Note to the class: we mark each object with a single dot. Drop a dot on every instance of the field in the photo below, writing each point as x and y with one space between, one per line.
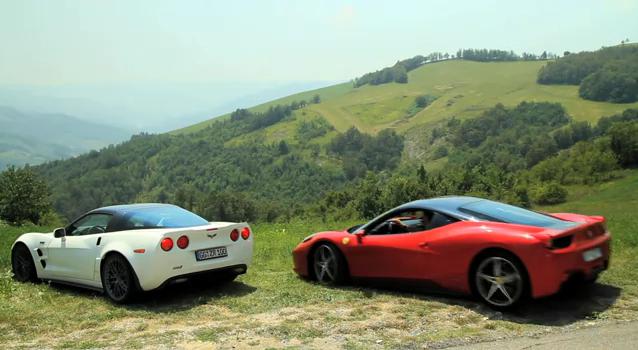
463 89
271 308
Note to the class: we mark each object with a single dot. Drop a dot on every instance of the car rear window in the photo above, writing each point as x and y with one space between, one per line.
494 211
162 217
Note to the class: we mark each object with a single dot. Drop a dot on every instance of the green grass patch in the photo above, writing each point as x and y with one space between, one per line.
271 306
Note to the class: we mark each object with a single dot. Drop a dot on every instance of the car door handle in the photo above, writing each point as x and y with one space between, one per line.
423 244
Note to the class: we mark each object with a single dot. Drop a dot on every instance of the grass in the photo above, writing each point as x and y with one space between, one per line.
463 89
270 307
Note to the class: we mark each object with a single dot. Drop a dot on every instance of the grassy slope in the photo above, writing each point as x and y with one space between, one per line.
464 89
270 307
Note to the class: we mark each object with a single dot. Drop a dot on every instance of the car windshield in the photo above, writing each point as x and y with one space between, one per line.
162 217
494 211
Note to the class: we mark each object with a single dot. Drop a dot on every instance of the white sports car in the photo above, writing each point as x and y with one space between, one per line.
125 249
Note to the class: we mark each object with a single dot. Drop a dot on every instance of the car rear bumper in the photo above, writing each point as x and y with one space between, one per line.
236 269
549 272
156 270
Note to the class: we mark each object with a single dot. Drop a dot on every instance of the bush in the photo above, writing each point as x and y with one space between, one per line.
23 196
624 142
548 193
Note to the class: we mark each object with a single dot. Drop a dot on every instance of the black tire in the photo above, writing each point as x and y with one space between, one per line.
22 264
328 264
118 279
500 280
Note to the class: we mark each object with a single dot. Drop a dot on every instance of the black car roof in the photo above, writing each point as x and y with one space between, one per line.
448 205
125 208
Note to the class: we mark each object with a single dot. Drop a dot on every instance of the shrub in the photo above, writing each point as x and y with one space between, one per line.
548 193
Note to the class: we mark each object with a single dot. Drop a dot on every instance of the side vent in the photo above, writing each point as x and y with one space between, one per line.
39 252
44 264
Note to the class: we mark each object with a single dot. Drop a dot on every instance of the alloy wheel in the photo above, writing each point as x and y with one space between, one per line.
117 279
325 264
499 281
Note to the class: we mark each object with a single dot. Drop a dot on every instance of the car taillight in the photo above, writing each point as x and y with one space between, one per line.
561 242
234 235
182 242
166 244
245 233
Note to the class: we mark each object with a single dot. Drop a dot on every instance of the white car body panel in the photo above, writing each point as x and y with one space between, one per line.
77 259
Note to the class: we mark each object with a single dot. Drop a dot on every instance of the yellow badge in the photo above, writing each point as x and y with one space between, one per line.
345 240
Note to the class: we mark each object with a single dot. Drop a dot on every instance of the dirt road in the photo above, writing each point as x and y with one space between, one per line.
609 336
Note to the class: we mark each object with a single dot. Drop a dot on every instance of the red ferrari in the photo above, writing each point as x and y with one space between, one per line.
498 252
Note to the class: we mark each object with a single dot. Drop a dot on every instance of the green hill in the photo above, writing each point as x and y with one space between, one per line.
456 126
463 89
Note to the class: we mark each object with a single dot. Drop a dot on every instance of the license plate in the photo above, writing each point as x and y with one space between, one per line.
211 253
592 254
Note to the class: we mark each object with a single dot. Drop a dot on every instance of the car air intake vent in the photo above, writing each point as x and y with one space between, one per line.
562 242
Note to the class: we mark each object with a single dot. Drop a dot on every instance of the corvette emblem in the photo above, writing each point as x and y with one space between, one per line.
345 240
211 235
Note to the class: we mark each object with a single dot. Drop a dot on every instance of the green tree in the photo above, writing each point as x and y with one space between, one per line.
23 196
624 142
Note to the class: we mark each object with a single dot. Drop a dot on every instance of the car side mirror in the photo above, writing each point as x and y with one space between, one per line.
359 234
59 232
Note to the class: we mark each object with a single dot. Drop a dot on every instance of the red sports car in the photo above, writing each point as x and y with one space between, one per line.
498 252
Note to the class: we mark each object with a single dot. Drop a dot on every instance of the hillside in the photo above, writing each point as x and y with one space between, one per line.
463 89
30 138
456 127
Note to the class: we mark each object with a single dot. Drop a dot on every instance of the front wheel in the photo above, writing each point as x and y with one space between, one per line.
22 264
118 279
500 281
328 264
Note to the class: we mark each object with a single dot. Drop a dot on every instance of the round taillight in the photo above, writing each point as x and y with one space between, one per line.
245 233
234 235
182 242
166 244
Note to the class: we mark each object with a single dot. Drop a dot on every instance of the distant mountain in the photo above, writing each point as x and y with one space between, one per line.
156 107
34 138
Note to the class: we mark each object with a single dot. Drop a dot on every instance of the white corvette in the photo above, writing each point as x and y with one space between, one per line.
125 249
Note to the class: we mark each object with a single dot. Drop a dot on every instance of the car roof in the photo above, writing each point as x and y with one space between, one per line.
126 208
448 204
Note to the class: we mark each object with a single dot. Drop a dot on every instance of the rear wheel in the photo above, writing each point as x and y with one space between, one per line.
328 264
118 279
500 281
22 264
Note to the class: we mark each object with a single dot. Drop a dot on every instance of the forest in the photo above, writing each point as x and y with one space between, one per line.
609 74
524 155
399 72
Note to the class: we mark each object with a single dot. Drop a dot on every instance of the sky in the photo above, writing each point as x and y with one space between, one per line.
101 45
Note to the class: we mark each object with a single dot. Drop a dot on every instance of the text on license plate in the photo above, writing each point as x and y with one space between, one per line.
211 253
592 254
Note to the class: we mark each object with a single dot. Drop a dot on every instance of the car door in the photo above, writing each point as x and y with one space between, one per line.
73 256
409 255
389 256
385 253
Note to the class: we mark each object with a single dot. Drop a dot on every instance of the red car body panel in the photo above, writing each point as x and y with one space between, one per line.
443 256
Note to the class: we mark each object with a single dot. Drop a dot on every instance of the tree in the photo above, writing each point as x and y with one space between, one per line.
283 148
23 196
624 142
421 101
316 99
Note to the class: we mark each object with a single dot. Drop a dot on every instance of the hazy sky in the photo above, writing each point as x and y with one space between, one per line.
89 42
